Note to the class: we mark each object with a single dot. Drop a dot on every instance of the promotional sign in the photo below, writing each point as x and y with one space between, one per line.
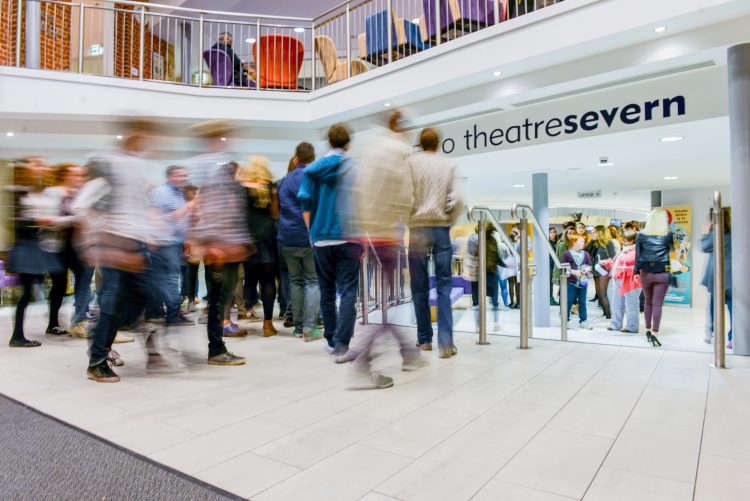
681 257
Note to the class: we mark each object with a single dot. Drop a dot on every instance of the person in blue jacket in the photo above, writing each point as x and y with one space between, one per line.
327 209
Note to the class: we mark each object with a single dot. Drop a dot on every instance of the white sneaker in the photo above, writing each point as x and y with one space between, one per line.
362 380
328 348
586 326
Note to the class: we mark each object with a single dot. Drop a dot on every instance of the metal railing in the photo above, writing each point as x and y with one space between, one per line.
378 290
484 214
525 213
134 40
719 295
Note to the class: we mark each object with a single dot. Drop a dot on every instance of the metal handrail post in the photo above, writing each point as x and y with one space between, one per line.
438 34
348 43
383 296
365 292
565 272
482 279
525 296
81 11
18 33
200 51
256 54
314 61
142 42
719 296
496 15
390 31
397 278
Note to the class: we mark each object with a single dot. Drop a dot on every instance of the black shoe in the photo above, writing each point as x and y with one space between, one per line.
649 336
156 320
180 321
226 359
56 331
23 343
102 373
288 322
655 342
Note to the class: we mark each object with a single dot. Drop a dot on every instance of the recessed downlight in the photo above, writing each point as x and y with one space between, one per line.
299 30
670 178
519 185
671 139
497 73
10 134
387 105
223 139
249 40
660 29
118 137
606 164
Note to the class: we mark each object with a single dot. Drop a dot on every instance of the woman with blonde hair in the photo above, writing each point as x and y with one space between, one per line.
652 248
263 210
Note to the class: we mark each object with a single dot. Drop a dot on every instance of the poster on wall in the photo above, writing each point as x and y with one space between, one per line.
680 259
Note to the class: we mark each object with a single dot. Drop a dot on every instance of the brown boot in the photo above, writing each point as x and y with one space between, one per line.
268 328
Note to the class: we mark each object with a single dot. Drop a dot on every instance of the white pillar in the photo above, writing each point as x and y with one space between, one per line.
540 202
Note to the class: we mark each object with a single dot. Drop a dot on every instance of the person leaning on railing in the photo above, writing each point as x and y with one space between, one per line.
707 246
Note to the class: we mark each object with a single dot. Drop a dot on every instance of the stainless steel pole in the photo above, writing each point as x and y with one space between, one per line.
348 43
389 43
564 303
719 298
383 296
364 303
256 53
525 296
313 69
142 43
399 285
81 18
200 51
19 10
482 278
438 34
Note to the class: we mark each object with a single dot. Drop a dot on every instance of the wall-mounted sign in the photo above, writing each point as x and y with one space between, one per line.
590 194
96 49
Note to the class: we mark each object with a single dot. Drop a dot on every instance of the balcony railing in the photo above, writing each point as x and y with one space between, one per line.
146 41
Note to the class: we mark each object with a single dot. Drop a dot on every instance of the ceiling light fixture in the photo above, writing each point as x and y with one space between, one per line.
387 105
660 29
299 30
606 164
497 73
249 40
519 185
670 178
10 134
223 139
118 137
671 139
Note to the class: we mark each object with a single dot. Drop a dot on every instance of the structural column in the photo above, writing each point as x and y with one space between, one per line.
738 61
540 202
656 199
33 33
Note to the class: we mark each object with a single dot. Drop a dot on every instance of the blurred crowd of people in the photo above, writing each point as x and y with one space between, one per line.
298 241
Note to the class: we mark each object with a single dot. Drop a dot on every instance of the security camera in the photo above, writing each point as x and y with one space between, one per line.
603 160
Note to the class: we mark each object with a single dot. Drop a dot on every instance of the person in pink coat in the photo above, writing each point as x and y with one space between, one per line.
627 286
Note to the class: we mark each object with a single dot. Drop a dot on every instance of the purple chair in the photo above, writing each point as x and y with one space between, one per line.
221 67
459 14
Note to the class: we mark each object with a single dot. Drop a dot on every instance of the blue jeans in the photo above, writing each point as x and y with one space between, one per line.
303 284
625 307
728 301
503 289
422 242
82 293
492 283
337 267
577 294
166 263
119 289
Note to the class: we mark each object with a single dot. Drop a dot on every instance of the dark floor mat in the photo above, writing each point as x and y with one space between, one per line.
42 458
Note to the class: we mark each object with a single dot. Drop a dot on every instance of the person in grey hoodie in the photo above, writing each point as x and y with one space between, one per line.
437 205
707 246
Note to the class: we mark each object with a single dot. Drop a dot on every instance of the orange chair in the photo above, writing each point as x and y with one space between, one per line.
280 61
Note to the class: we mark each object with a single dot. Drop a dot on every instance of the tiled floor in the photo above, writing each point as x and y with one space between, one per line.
559 421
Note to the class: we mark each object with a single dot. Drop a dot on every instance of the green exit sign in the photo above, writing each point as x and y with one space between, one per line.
96 50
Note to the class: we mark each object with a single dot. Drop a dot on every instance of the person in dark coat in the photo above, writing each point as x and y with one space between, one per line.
238 76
